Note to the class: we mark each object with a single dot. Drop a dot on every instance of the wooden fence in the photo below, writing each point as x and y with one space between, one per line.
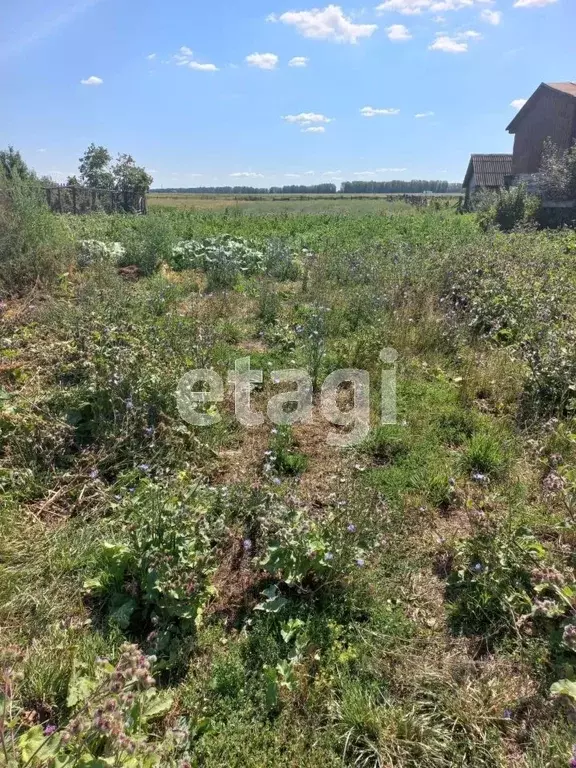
76 200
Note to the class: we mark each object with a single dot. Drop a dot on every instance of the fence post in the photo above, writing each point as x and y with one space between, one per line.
74 211
60 199
49 197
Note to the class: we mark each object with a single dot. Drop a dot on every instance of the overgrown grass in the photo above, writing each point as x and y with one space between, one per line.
404 602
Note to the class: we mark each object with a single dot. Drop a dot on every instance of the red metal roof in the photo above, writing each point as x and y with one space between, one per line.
569 88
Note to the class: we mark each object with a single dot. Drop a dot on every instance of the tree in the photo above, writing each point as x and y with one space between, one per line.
94 170
124 176
13 165
129 177
557 177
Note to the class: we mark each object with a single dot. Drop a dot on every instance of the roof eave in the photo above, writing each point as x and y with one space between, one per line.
469 173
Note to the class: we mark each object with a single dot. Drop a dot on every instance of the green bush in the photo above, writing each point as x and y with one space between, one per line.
35 245
490 586
150 244
507 209
154 582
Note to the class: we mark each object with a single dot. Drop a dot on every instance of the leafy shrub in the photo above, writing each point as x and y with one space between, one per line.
224 258
35 245
490 586
279 261
305 551
155 582
268 303
557 176
508 208
518 292
96 252
150 244
282 455
112 711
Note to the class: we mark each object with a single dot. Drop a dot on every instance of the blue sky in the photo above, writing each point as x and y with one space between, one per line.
275 91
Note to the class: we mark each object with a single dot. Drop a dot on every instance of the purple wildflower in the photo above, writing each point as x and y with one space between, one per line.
247 544
328 556
49 730
351 528
360 562
144 467
94 474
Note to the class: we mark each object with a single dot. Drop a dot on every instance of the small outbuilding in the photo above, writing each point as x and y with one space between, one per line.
487 172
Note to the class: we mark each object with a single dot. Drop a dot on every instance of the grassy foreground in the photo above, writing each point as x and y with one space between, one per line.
224 595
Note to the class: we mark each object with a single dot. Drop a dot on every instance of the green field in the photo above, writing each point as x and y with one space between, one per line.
349 204
405 602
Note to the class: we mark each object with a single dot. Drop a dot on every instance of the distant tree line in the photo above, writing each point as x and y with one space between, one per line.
412 187
348 187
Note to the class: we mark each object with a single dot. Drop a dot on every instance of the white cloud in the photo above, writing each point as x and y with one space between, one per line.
491 17
92 80
420 115
455 44
518 103
306 118
299 61
247 175
292 175
309 173
416 7
328 23
372 112
184 55
41 150
314 129
398 33
151 56
203 67
262 60
533 3
448 45
332 173
185 58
